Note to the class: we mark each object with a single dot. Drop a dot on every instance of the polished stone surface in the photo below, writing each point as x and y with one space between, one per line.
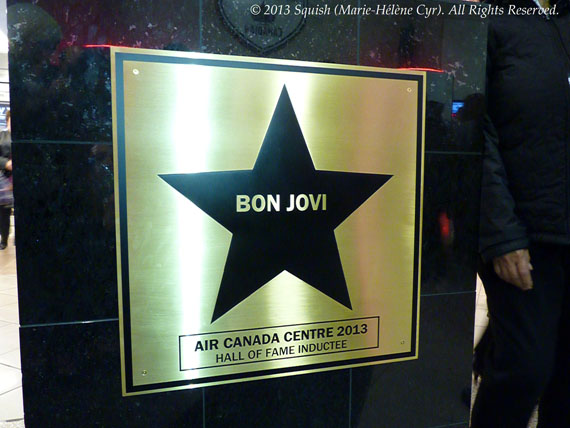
68 101
425 392
452 49
72 378
326 38
454 43
450 222
447 131
60 80
401 41
314 400
136 23
66 244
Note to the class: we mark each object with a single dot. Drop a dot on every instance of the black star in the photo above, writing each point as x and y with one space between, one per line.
267 242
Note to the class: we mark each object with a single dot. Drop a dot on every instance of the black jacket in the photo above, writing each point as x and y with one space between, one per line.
526 166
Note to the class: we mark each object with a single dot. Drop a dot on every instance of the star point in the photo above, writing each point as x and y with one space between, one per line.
282 214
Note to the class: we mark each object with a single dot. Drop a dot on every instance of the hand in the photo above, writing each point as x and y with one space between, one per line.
514 268
8 165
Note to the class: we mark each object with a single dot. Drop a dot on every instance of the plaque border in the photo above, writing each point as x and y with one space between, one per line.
121 55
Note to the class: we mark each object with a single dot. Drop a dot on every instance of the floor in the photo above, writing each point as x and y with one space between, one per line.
11 406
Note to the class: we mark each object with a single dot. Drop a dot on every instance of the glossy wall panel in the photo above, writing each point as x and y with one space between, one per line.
325 38
66 101
426 392
450 221
401 41
456 65
318 400
60 82
72 378
61 108
67 246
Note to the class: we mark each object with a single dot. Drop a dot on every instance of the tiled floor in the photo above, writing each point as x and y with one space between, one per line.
11 407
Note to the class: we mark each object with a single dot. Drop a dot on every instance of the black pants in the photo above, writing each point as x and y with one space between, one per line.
529 357
4 223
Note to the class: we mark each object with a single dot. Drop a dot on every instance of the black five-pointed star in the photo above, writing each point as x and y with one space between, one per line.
267 241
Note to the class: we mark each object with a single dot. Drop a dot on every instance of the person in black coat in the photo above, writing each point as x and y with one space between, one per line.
6 171
525 219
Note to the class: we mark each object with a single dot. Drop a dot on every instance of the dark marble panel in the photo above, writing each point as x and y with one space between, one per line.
401 41
60 84
464 51
453 48
426 392
448 129
324 38
135 23
450 222
71 377
449 40
68 101
65 232
305 401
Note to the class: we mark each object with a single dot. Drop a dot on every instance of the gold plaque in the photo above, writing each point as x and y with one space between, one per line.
268 216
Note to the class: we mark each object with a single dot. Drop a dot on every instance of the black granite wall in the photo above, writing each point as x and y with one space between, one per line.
63 184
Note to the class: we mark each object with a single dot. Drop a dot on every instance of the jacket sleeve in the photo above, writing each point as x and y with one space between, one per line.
500 229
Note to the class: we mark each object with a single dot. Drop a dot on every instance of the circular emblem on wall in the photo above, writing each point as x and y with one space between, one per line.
261 25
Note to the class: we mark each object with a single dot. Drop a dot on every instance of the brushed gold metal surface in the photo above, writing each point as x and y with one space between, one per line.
179 113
